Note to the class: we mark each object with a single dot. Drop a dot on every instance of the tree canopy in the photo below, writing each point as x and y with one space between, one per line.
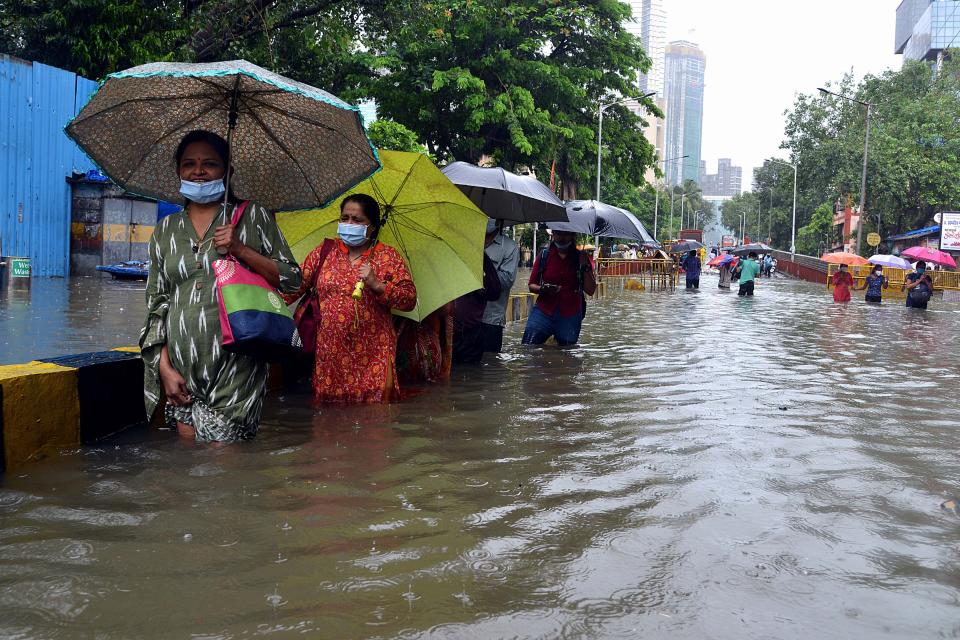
518 81
913 166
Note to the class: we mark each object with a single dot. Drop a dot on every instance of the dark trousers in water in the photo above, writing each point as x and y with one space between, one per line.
468 346
693 283
492 337
540 327
746 289
915 305
876 299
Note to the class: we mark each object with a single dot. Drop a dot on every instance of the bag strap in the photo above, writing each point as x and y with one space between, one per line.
238 212
543 264
324 251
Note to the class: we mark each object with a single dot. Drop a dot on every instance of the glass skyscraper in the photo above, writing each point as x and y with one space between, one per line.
925 28
649 23
684 69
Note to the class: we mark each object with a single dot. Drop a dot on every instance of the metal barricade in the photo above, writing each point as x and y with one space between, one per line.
656 274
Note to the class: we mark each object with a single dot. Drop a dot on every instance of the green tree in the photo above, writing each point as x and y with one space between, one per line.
817 236
516 80
314 41
914 157
89 37
387 134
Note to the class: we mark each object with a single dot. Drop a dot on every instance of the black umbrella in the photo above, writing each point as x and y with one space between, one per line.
600 219
685 245
755 247
506 196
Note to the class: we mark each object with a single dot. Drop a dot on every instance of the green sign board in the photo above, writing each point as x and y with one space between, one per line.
19 267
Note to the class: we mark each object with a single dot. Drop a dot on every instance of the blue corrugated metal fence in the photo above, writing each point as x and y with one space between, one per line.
36 157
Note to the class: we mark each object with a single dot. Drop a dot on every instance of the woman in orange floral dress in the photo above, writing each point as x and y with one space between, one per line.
356 340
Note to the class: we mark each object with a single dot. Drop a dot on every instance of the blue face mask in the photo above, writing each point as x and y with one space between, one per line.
202 192
353 235
920 271
562 246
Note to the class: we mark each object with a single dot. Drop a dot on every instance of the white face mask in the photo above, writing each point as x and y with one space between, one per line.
202 192
353 235
562 246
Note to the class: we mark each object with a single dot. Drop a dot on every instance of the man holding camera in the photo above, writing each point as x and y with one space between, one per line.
562 277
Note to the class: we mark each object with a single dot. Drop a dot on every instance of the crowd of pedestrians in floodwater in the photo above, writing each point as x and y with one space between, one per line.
918 285
362 351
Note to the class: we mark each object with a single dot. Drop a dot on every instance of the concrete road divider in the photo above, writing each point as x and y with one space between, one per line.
67 401
110 390
41 409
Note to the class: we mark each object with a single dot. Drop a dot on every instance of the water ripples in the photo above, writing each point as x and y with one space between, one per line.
702 465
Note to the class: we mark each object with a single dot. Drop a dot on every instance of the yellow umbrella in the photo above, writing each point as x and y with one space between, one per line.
433 225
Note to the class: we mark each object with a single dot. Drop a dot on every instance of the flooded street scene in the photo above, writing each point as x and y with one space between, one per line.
479 319
733 477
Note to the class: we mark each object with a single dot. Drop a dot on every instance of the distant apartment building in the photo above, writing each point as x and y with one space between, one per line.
727 181
684 67
649 24
926 28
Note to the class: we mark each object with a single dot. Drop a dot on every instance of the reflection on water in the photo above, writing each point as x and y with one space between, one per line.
58 317
702 466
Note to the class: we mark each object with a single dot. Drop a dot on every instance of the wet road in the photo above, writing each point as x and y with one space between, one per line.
702 466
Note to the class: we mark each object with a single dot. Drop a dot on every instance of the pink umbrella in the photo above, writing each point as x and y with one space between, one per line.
930 255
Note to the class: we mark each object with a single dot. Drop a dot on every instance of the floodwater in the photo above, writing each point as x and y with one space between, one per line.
58 317
702 466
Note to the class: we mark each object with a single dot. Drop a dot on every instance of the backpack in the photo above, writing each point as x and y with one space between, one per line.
921 293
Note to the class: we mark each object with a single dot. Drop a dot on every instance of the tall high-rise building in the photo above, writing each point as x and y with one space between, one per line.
727 181
649 23
684 68
925 28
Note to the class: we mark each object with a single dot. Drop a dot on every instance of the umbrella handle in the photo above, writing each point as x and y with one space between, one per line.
231 125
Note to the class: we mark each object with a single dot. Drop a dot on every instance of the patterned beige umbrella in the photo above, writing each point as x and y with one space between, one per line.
292 146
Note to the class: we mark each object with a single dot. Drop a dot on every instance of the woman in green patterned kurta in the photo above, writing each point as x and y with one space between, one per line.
212 395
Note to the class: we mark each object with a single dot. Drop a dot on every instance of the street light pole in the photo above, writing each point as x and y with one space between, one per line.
759 232
863 177
656 203
673 193
793 228
863 181
770 218
600 109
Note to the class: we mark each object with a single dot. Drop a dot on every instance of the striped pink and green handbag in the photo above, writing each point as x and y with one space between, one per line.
254 320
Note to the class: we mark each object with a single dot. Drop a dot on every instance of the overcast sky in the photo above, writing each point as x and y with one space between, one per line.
761 53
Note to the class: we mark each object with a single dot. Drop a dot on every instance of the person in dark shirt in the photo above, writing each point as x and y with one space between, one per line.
875 283
562 276
468 316
691 265
919 286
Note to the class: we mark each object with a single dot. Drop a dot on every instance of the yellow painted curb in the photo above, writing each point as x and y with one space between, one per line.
41 408
127 349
